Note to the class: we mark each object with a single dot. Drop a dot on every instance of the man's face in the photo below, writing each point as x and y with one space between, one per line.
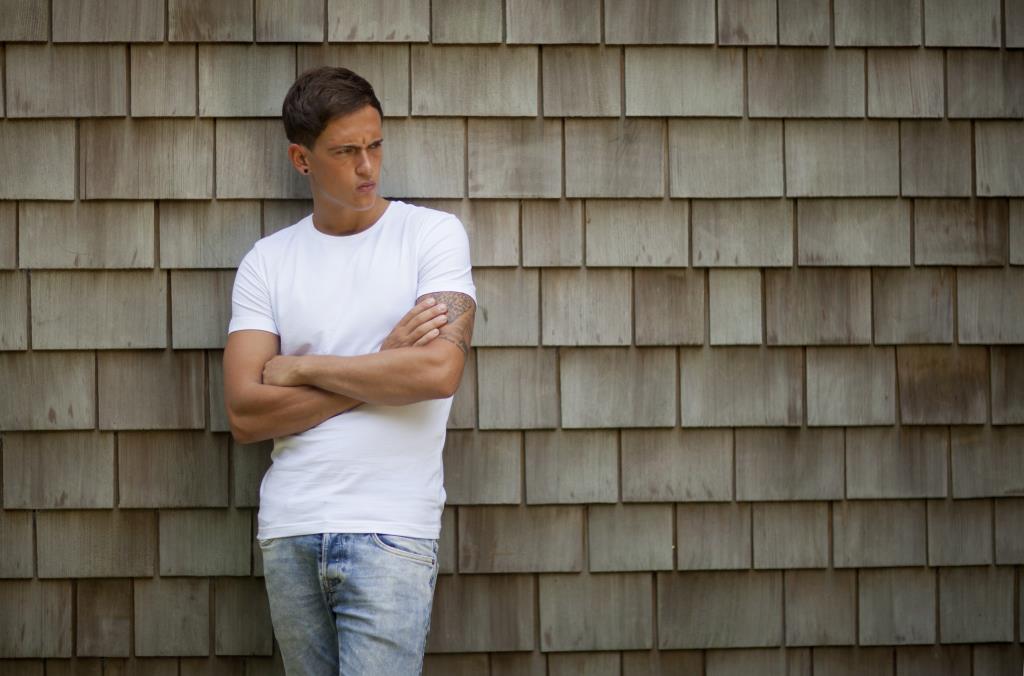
345 160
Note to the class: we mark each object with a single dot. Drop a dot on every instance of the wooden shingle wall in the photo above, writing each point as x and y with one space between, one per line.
747 395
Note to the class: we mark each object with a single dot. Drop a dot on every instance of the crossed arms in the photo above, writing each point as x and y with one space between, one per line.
268 395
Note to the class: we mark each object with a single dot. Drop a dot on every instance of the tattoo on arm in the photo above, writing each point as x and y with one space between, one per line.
460 307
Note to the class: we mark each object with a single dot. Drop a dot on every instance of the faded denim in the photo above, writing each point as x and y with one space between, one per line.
354 604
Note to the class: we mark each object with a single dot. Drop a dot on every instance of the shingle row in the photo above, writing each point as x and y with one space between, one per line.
522 307
877 232
603 158
547 387
744 22
251 80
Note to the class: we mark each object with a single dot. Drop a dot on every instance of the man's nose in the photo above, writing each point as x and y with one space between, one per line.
364 165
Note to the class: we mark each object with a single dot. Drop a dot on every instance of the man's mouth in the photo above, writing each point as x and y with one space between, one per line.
366 187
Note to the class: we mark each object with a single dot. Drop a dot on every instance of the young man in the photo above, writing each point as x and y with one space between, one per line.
350 509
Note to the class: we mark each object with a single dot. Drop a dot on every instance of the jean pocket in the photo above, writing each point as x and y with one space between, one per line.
420 550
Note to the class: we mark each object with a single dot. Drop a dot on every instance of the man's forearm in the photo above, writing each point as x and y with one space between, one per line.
392 378
268 411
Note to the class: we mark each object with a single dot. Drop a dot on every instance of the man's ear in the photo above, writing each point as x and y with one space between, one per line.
298 155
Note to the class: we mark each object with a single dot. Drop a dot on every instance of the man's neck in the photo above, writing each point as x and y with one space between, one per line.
335 220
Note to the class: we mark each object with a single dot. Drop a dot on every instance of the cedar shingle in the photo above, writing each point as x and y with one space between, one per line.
879 533
464 80
905 83
805 22
96 543
17 542
790 534
953 23
378 20
82 80
520 539
107 21
571 466
878 23
678 465
719 609
252 163
743 233
704 81
552 233
483 468
960 532
517 388
203 542
104 618
152 67
172 616
200 308
582 81
58 470
425 159
584 306
1007 385
86 235
515 158
998 168
886 462
596 612
147 159
942 385
173 469
57 391
42 625
629 537
244 80
725 158
746 22
25 20
935 158
14 310
837 158
201 21
734 306
987 461
638 383
713 536
540 22
668 306
483 613
104 310
658 233
295 21
976 604
659 21
242 625
983 294
765 459
863 231
798 82
820 607
896 606
851 386
913 305
985 83
818 306
473 21
53 179
741 386
151 390
214 234
614 158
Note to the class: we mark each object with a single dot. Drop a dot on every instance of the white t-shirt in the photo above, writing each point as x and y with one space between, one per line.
373 468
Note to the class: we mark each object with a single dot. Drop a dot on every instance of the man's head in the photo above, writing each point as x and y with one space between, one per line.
333 119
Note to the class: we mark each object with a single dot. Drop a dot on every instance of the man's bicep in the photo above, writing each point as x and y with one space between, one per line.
245 354
458 330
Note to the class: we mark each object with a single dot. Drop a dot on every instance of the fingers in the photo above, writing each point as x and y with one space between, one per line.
426 327
429 336
428 313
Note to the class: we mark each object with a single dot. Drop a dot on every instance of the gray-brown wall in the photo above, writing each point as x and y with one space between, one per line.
748 387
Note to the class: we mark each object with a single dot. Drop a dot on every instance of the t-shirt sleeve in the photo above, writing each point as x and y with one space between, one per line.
250 297
444 259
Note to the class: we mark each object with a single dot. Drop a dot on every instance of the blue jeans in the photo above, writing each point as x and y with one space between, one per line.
352 604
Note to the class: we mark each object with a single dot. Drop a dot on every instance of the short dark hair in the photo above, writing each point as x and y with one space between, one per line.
318 96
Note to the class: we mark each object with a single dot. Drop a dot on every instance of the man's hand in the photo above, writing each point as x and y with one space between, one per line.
419 326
